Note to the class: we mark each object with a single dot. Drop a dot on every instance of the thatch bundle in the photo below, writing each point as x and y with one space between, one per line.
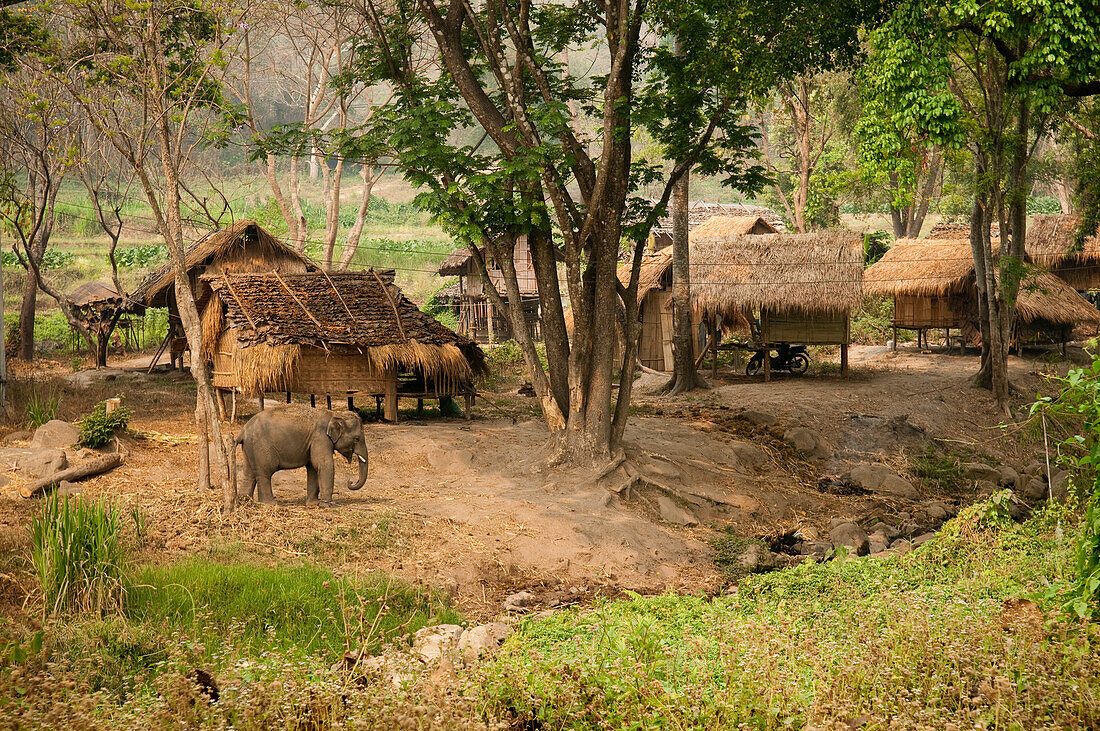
1052 241
274 316
699 212
651 274
924 267
805 273
1045 297
242 246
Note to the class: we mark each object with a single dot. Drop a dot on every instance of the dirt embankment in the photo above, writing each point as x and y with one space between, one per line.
472 507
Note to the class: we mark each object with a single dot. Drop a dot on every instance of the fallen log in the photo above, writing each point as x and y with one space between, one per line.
78 472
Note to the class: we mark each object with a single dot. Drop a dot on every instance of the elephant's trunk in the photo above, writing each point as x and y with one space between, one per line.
360 455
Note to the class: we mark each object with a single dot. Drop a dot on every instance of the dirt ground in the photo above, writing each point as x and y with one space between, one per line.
471 507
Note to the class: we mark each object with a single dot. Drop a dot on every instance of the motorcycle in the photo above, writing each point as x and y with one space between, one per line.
790 358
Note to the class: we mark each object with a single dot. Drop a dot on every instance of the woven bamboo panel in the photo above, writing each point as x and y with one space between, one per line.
817 329
338 373
223 375
918 311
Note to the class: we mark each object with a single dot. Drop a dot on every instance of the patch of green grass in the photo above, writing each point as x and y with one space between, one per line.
944 470
300 609
728 547
905 641
40 408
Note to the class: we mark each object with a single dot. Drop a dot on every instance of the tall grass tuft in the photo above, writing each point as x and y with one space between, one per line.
79 555
40 409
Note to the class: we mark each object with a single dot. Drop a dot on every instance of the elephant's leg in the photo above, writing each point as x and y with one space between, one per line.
322 463
311 485
247 486
263 487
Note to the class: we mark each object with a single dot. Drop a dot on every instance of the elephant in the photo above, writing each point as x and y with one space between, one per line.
289 437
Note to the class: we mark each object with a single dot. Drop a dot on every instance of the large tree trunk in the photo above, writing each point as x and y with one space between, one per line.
332 179
684 376
356 232
26 315
299 235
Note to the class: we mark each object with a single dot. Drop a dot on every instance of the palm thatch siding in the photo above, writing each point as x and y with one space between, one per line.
1052 242
333 334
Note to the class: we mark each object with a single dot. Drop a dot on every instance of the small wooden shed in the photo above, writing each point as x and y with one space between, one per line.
933 285
655 291
242 246
798 288
99 305
336 335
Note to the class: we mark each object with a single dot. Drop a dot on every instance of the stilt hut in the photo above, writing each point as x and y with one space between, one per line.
334 335
655 291
242 246
700 212
1052 242
796 288
933 286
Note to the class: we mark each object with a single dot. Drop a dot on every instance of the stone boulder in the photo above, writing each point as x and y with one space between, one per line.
896 486
807 442
851 536
758 559
521 601
16 436
1008 476
880 479
430 644
55 434
1032 489
922 539
759 418
977 471
749 455
42 462
674 513
483 640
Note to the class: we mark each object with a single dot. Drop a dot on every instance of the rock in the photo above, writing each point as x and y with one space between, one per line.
1032 489
1059 486
672 512
55 434
922 539
67 488
875 545
910 529
897 487
978 471
850 536
1008 476
16 436
807 442
757 559
759 418
901 546
483 640
42 462
986 487
519 602
431 643
936 511
820 549
1035 468
749 455
868 476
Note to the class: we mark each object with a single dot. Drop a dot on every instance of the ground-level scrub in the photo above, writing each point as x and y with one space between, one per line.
918 640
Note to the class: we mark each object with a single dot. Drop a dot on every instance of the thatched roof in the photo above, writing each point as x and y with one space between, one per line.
924 267
274 316
97 293
244 244
733 226
1052 242
786 272
701 211
1044 296
652 273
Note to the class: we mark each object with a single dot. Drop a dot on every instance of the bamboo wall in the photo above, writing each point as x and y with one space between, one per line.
920 311
820 328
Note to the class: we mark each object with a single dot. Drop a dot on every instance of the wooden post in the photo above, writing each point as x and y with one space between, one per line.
767 363
469 404
233 413
895 343
378 406
351 403
261 400
714 348
391 397
288 397
844 360
220 401
328 401
313 401
420 407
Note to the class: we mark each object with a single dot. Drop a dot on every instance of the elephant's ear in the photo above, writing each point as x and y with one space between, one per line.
336 430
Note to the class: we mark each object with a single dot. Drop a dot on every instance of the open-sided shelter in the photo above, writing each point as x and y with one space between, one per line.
800 288
99 305
933 286
344 335
242 246
655 290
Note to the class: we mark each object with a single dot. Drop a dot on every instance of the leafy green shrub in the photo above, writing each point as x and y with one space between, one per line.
872 321
728 547
875 245
98 428
141 256
52 259
78 555
40 409
1079 404
944 470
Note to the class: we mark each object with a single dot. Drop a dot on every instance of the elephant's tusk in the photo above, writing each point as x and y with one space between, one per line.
361 459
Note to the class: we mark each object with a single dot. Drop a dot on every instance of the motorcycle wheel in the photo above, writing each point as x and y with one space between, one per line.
799 364
754 365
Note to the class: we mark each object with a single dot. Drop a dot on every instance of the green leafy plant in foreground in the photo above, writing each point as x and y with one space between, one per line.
79 555
98 428
40 409
1079 401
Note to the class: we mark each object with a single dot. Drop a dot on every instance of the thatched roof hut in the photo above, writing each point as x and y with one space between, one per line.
1052 241
242 246
922 267
1045 297
699 212
733 226
332 334
98 294
802 273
